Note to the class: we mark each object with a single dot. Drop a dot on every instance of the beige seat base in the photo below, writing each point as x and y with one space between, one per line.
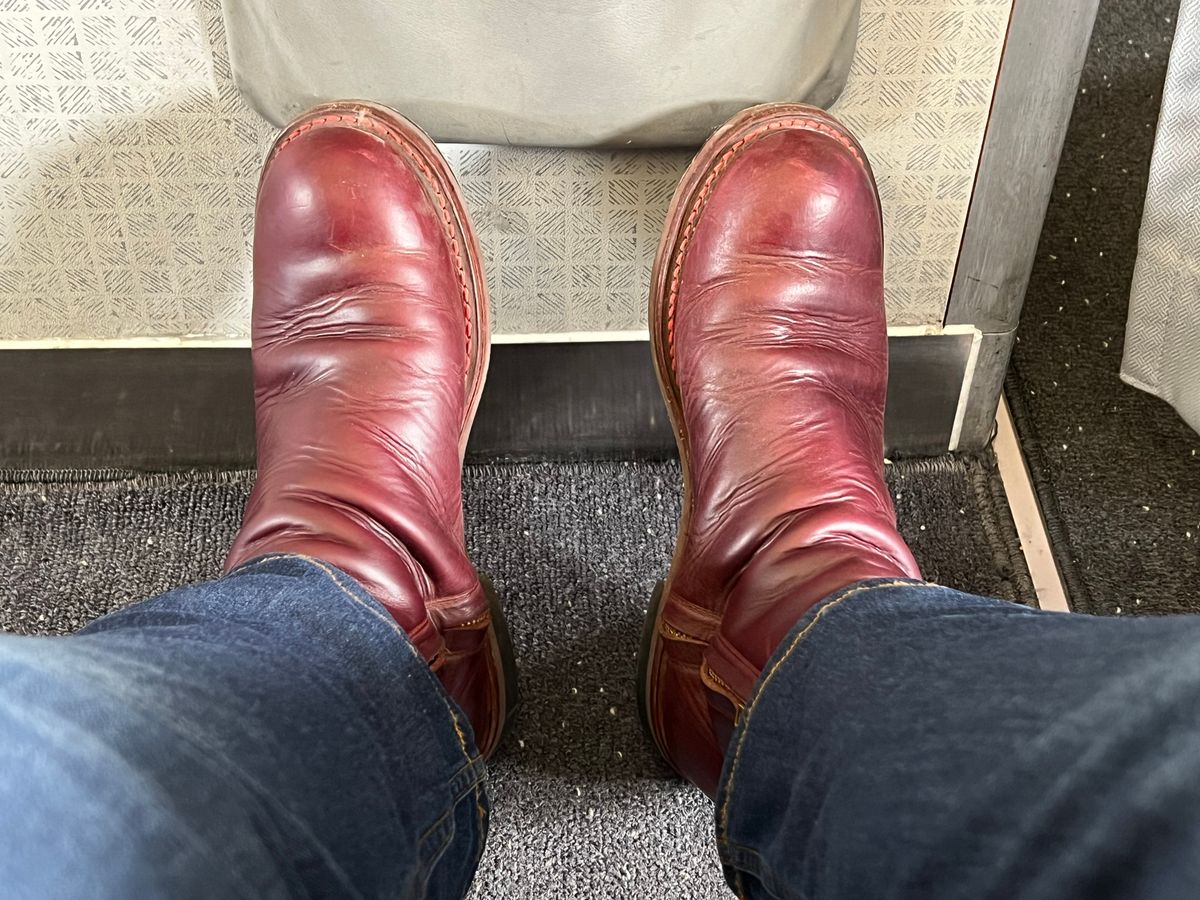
544 72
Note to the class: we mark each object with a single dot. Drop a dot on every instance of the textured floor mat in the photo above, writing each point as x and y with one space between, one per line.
583 807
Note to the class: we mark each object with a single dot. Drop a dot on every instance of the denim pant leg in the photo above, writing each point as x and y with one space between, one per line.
908 740
269 734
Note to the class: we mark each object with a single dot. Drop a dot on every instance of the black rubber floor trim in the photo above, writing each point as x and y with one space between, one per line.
980 473
997 521
1079 597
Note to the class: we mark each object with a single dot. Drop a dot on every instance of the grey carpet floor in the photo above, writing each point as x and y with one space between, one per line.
1116 470
583 807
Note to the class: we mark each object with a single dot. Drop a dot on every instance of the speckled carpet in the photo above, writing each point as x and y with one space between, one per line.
583 807
1116 470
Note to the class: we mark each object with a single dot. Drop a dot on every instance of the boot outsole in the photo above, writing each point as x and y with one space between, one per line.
506 655
649 630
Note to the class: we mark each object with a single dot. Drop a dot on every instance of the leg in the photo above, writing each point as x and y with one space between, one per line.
281 731
370 343
896 740
912 741
273 733
770 343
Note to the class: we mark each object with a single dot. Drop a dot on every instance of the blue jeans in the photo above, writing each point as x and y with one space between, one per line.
273 733
912 741
269 734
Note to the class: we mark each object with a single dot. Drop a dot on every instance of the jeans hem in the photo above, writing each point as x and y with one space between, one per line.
783 654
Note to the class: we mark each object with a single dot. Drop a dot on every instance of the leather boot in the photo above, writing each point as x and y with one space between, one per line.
769 337
370 348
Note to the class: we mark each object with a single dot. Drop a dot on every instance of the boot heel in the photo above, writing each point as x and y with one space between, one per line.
649 632
507 656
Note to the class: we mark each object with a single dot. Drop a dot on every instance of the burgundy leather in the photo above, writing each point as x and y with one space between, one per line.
370 349
769 336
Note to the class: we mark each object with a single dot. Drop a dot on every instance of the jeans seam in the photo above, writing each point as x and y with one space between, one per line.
728 848
466 780
723 816
263 560
433 843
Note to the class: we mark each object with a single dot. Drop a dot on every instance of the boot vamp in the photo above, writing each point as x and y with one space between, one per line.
781 364
360 359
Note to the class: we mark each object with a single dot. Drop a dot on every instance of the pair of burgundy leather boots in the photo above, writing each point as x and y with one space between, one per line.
370 347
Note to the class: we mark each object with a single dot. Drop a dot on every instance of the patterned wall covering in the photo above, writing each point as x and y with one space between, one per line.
128 165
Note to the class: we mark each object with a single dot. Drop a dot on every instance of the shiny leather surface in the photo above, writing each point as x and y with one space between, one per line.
369 349
771 343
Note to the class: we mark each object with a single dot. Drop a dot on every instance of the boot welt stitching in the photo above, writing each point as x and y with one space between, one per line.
715 683
675 634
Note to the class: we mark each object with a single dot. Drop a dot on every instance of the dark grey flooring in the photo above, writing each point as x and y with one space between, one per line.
583 807
1117 471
